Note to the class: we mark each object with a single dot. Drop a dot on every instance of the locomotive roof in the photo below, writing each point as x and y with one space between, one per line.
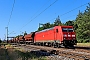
45 30
54 27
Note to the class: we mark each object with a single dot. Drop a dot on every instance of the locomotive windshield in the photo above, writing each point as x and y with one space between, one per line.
67 30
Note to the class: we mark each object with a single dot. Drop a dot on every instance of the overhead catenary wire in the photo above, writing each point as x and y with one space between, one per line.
40 13
72 10
11 32
62 9
11 13
40 8
71 16
73 2
36 12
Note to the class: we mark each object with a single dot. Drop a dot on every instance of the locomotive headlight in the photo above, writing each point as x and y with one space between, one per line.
73 35
64 35
68 35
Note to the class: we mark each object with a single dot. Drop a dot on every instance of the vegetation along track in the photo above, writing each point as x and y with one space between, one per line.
73 54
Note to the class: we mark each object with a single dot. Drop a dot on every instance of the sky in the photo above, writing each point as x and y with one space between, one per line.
27 14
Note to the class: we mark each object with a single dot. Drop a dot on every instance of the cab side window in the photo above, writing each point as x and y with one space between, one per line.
57 30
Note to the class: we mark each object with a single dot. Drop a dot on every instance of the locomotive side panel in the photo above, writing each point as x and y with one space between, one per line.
50 35
44 36
59 33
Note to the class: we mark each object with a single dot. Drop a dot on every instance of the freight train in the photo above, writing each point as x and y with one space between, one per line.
56 36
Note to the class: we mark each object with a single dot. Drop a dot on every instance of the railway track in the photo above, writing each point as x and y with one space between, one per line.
60 53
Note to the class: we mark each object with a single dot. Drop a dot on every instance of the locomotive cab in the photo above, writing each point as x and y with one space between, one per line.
69 36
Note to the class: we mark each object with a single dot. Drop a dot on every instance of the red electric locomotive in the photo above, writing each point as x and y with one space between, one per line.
56 36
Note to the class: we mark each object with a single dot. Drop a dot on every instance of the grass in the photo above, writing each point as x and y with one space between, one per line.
17 54
83 44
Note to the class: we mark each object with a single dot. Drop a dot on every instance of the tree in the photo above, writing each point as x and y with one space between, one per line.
45 26
82 25
69 23
25 33
40 28
57 21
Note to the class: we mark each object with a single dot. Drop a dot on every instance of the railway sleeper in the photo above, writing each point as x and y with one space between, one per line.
78 56
72 57
75 58
88 56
